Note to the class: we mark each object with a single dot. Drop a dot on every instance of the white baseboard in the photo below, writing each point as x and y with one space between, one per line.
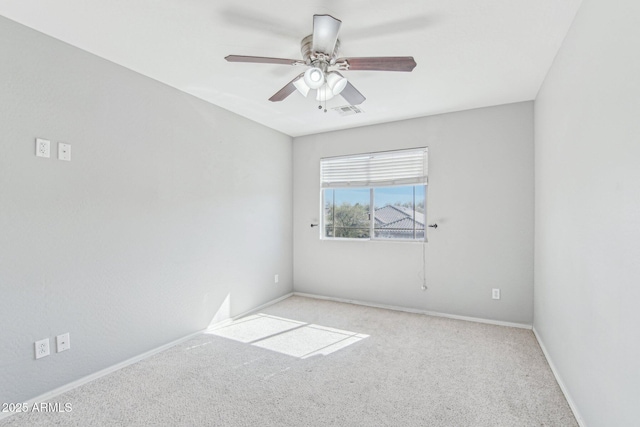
77 383
263 306
84 380
564 389
417 311
225 322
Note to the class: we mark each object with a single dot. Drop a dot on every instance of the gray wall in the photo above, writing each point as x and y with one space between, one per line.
168 206
480 193
587 210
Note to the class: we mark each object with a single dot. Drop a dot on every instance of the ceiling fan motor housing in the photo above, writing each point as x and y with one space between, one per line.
309 56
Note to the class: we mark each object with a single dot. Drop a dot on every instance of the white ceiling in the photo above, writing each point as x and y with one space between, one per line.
470 53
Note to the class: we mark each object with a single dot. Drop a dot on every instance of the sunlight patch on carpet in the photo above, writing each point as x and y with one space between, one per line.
291 337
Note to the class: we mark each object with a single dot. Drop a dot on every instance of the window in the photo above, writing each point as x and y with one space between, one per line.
375 195
347 213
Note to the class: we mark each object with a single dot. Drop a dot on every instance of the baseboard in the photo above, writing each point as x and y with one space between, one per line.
417 311
556 374
84 380
263 306
225 322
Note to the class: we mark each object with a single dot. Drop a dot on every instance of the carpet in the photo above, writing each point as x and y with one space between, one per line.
309 362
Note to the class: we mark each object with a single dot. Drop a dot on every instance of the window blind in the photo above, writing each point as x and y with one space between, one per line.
388 168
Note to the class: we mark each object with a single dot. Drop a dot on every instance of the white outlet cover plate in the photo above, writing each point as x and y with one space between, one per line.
495 293
42 348
64 151
43 147
63 342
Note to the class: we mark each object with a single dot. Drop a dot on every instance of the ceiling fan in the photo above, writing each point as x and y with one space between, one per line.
320 54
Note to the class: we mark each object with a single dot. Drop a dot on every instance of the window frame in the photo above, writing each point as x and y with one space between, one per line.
404 167
371 214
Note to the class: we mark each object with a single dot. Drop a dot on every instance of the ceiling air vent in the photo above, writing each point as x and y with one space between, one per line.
348 110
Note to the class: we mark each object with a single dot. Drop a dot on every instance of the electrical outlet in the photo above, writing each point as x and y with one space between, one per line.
63 342
495 293
276 278
42 348
64 151
43 147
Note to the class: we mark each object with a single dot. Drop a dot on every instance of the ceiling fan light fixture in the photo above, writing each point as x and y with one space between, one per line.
336 82
314 78
324 93
302 87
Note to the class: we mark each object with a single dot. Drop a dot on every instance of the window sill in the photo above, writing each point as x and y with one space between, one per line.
339 239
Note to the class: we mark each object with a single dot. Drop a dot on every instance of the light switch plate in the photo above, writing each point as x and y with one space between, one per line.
64 151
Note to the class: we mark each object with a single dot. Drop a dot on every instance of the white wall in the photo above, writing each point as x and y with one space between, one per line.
480 194
587 210
168 206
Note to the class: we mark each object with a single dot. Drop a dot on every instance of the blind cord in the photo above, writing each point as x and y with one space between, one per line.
424 265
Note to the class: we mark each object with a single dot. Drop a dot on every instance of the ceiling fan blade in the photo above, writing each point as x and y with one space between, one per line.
351 94
325 33
263 60
287 90
382 63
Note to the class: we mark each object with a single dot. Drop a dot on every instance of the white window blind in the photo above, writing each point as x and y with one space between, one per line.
387 168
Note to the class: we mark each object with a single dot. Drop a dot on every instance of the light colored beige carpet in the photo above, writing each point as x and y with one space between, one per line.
307 362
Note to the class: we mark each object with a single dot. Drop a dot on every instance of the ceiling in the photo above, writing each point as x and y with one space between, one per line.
470 53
